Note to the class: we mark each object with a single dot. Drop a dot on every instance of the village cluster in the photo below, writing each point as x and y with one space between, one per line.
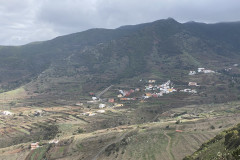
158 90
151 90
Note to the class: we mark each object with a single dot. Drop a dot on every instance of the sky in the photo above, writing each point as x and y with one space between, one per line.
25 21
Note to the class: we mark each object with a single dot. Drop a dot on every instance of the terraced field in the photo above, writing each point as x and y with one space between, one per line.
119 133
148 141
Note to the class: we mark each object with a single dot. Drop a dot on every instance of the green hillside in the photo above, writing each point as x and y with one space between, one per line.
107 56
225 145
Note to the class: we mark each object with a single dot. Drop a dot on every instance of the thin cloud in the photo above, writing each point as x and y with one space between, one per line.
32 20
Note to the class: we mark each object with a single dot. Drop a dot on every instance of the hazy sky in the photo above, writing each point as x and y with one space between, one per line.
24 21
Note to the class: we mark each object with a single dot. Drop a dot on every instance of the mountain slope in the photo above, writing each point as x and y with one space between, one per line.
96 58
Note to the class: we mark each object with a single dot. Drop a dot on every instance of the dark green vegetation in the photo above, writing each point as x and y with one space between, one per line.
225 145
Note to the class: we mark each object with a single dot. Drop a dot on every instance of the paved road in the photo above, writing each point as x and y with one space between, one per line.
105 90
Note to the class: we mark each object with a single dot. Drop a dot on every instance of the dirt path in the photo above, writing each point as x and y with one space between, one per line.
103 149
168 146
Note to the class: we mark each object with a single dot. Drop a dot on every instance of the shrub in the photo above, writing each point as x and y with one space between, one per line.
80 130
212 127
178 122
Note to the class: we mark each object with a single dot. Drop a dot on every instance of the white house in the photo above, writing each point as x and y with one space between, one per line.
208 71
146 97
160 94
201 69
205 70
54 141
192 84
94 98
79 104
91 114
120 96
192 73
151 81
34 145
101 111
189 91
7 113
102 105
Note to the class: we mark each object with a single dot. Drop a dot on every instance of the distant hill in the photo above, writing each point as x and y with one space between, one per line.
225 145
91 60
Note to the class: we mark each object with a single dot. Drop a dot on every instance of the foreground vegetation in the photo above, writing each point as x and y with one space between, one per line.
225 145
